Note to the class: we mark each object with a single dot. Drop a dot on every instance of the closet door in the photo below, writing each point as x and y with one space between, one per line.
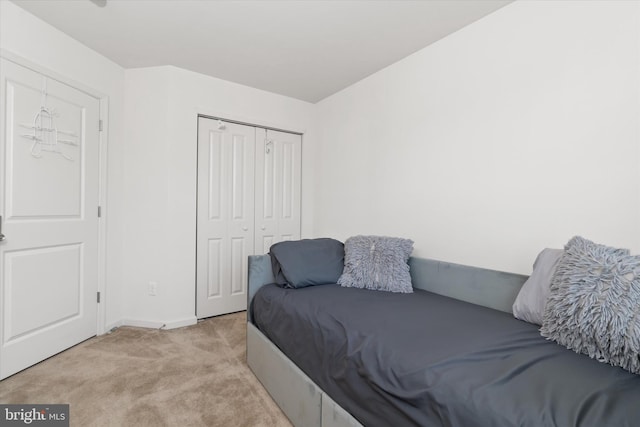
278 185
225 235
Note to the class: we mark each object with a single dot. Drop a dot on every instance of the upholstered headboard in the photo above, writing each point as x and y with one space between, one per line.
489 288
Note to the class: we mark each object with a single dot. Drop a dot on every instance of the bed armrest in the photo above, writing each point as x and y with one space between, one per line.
260 274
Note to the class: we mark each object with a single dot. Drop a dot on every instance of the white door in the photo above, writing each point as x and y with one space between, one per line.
278 184
225 235
49 157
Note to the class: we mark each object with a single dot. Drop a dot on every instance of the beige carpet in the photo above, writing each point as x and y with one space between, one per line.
193 376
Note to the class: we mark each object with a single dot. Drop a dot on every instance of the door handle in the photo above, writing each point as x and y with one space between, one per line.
245 228
263 228
2 237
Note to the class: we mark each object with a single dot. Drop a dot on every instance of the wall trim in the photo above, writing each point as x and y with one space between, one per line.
111 326
159 324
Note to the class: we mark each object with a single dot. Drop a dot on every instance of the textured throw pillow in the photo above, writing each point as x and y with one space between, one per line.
594 304
307 262
532 298
377 263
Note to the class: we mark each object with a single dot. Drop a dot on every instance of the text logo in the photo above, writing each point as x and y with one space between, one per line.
35 415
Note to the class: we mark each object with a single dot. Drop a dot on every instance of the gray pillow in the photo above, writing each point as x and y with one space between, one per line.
307 262
594 304
377 263
532 298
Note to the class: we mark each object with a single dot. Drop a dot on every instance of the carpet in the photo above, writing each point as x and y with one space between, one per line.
192 376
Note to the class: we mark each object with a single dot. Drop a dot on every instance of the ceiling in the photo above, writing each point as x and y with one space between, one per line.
302 49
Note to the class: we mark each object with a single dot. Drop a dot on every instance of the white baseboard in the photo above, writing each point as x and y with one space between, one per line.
153 324
173 324
112 326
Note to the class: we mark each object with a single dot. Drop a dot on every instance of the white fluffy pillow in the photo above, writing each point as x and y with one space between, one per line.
378 263
594 303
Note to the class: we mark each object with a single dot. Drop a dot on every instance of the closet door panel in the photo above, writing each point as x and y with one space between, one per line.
225 235
266 224
278 186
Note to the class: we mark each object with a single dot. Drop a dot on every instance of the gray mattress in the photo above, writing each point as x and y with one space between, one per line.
428 360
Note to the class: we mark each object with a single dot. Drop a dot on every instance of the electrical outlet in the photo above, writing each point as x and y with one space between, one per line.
153 289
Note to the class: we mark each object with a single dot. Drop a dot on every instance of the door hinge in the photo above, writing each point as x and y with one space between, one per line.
98 297
99 211
100 125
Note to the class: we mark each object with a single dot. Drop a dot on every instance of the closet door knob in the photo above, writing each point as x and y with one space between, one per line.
245 228
263 228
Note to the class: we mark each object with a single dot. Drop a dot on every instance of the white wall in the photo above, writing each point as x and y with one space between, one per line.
508 136
512 134
30 38
162 104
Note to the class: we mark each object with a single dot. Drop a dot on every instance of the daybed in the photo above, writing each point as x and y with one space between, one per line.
449 354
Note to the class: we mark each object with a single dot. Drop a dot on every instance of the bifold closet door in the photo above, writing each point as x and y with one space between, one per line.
225 234
249 182
278 185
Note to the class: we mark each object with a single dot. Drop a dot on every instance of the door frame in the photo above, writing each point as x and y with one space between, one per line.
102 179
244 123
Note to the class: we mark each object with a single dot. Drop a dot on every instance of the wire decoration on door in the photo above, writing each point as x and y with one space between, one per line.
45 135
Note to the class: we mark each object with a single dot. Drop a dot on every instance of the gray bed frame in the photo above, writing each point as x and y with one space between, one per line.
306 404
